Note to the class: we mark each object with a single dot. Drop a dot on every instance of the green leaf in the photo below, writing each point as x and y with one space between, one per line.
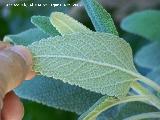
55 93
145 24
26 37
43 23
98 62
148 56
125 110
100 18
48 91
66 24
36 111
149 115
105 103
97 108
108 114
155 75
133 108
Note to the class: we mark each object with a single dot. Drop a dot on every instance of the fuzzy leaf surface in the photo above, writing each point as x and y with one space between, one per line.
145 24
55 93
43 23
49 91
100 18
26 37
66 24
99 62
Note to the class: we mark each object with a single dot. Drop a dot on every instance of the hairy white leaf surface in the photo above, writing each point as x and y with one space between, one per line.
99 62
66 24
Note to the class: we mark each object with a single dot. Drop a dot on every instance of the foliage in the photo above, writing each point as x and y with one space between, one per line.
26 37
92 72
145 24
15 19
55 93
65 24
69 59
146 56
43 23
101 19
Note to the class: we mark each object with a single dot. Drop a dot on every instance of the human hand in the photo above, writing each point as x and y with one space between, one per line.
15 66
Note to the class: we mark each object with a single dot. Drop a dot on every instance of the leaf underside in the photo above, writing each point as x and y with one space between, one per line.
98 62
49 91
66 24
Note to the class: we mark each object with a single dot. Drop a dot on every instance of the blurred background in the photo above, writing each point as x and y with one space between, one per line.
15 19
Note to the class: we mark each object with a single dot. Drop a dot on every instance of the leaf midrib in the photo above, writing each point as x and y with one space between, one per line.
136 75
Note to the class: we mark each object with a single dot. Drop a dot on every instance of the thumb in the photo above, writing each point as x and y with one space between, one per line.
15 64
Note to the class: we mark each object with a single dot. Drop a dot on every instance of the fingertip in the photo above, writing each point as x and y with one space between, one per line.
12 108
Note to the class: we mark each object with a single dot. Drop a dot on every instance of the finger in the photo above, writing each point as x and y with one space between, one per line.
30 75
12 108
4 45
15 66
23 52
26 55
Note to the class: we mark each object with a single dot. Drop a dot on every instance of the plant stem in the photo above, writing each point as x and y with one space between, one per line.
105 103
150 83
143 91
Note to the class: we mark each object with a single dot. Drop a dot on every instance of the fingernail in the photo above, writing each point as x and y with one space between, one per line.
23 52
